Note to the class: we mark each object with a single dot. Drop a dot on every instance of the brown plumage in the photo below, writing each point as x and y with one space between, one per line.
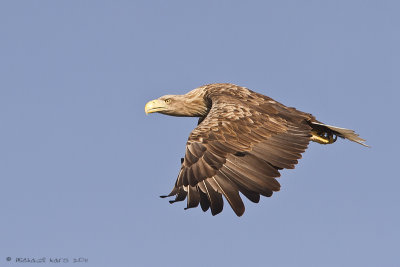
241 142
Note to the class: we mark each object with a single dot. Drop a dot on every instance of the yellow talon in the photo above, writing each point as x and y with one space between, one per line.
323 137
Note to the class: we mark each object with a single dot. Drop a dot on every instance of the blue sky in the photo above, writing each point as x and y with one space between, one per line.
82 166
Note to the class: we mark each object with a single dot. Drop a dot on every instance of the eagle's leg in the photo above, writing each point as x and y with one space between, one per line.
323 137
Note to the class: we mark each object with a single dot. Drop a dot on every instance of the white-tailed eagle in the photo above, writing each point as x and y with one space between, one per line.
242 140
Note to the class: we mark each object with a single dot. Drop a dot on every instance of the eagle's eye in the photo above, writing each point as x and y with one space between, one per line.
167 100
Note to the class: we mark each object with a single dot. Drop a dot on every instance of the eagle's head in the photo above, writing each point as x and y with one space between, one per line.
191 104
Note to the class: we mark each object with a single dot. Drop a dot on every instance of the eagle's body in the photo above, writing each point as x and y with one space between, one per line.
241 142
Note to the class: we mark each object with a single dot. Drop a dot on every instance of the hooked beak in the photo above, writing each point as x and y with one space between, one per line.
154 106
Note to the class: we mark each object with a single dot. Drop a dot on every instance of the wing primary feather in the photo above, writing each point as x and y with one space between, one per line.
204 202
216 202
231 194
180 196
193 197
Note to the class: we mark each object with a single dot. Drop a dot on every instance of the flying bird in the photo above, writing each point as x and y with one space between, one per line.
242 140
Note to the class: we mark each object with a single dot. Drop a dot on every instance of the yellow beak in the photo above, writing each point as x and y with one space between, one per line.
154 106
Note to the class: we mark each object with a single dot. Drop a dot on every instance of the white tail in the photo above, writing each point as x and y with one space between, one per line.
344 133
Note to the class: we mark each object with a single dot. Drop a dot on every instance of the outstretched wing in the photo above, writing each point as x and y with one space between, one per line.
239 147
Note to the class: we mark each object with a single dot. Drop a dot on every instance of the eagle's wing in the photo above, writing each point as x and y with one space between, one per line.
239 147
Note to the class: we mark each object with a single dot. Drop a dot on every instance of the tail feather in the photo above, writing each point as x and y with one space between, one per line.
344 133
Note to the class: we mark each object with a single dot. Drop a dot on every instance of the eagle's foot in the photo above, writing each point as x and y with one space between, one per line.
323 137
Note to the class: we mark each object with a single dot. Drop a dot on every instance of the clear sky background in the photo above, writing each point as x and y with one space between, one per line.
82 166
